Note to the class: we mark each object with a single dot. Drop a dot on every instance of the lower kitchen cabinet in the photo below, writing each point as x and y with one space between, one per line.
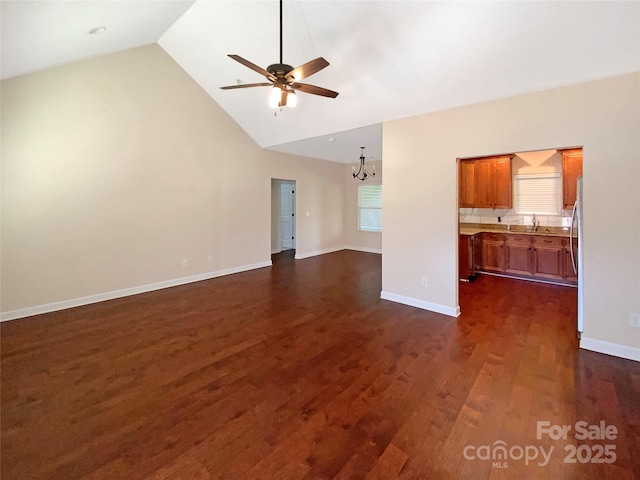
493 252
531 256
469 261
465 262
477 253
570 275
547 257
518 254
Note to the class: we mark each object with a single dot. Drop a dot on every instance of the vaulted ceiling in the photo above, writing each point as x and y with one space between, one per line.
388 59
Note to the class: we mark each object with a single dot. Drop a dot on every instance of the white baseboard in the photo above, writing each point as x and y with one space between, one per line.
277 250
414 302
363 249
300 256
101 297
608 348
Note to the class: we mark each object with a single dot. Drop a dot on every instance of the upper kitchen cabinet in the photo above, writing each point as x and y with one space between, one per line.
485 182
467 184
571 170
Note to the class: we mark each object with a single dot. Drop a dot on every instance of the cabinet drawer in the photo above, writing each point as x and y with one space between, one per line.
518 239
493 237
542 241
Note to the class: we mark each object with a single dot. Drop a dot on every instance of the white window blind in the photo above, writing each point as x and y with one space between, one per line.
539 193
370 208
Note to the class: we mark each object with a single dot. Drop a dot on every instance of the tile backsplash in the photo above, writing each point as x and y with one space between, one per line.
508 217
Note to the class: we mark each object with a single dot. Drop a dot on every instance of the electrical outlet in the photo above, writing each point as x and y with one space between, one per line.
210 258
184 262
424 282
634 319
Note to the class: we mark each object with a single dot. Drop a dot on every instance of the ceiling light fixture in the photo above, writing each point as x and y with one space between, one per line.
96 30
363 174
281 96
274 98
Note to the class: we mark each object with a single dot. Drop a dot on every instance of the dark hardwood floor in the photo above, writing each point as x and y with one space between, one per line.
300 371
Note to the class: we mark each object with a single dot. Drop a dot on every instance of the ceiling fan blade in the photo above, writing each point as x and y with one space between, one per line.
313 90
247 85
283 98
308 69
253 66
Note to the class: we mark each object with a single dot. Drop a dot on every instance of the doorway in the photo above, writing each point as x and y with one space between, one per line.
283 215
520 216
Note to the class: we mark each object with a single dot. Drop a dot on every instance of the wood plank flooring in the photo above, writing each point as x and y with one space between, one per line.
300 371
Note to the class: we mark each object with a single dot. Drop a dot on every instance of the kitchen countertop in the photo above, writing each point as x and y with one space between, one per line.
475 228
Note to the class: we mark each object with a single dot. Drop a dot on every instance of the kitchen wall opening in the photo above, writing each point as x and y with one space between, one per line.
520 215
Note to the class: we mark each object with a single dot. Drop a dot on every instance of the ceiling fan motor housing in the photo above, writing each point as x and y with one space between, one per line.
279 69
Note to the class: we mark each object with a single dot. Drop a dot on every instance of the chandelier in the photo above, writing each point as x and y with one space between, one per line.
362 173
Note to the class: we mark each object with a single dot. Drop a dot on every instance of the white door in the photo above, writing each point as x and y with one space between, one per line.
287 216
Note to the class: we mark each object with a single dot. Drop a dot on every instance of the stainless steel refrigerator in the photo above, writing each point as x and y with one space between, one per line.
576 254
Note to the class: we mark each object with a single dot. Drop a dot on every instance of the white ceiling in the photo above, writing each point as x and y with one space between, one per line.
389 59
37 35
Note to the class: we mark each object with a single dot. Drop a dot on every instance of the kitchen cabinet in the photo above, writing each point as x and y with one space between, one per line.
485 182
569 275
477 253
518 254
547 259
502 183
493 252
467 184
543 257
468 256
465 260
571 170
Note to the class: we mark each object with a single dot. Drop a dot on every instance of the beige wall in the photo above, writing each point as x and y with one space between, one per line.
545 161
116 169
354 238
420 223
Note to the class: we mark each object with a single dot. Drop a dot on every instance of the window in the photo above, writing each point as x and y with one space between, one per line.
539 193
370 208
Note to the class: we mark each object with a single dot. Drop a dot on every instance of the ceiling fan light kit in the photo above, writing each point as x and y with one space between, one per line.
285 79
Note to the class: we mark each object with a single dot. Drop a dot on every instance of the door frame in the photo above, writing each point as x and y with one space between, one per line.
276 198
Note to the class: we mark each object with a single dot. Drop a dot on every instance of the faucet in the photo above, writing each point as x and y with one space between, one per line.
534 223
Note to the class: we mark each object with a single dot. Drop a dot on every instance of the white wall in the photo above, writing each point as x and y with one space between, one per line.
420 223
354 238
116 169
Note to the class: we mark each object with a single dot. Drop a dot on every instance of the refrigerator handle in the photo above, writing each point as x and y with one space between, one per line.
573 219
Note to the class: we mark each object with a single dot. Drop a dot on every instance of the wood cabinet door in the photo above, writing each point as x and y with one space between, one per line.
493 256
477 253
569 275
518 254
518 258
467 184
464 259
571 170
502 183
484 173
548 262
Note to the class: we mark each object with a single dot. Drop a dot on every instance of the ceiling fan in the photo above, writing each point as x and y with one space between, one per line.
284 78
